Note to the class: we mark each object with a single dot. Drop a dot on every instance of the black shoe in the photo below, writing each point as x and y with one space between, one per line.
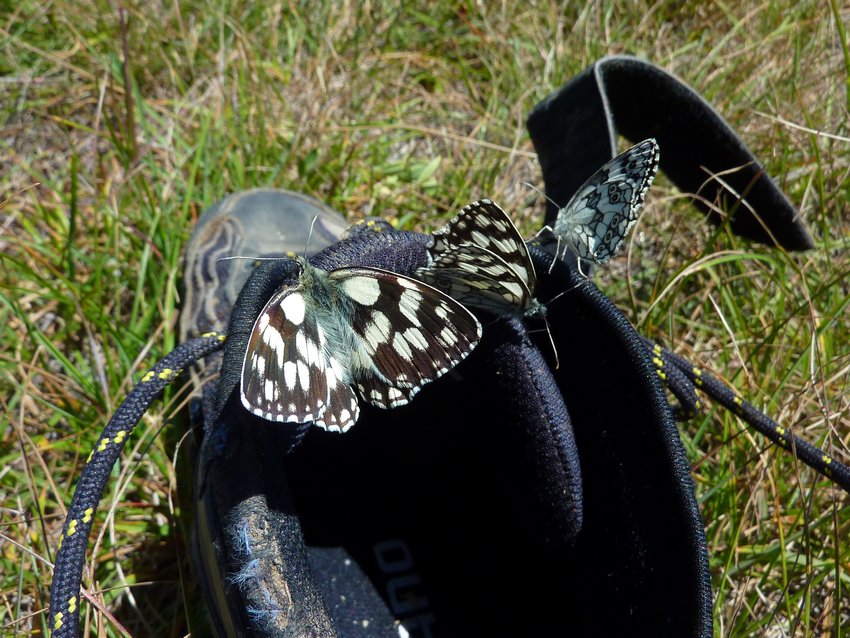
465 512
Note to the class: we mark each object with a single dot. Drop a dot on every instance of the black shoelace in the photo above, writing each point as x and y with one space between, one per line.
683 378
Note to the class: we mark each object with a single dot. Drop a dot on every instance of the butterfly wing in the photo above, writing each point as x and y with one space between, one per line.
382 395
289 373
478 278
411 333
599 216
481 260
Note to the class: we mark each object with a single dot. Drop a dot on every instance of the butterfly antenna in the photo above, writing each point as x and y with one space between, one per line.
549 327
533 187
564 292
310 234
548 228
290 254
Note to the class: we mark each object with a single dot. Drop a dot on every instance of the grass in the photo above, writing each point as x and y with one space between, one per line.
117 128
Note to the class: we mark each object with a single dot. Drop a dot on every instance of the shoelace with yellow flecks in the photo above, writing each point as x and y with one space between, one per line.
683 378
64 614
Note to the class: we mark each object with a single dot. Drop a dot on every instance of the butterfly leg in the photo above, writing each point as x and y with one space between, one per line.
580 271
552 341
557 251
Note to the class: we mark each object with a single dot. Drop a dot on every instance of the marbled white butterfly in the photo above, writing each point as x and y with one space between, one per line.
481 260
599 216
383 333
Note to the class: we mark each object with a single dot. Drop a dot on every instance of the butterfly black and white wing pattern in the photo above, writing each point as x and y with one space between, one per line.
597 219
480 259
380 332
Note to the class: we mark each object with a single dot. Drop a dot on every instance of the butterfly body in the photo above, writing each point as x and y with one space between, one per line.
597 219
379 332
